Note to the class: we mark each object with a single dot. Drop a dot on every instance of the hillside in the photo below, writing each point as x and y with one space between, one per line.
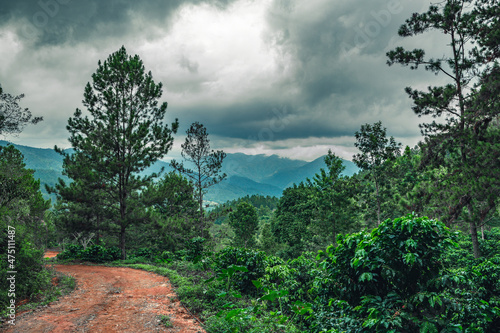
246 174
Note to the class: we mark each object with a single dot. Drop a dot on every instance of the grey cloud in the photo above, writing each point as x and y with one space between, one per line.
54 22
337 53
331 82
191 66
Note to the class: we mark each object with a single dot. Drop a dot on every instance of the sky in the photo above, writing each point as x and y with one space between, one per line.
288 77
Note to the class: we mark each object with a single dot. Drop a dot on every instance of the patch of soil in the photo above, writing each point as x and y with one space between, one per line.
50 254
110 299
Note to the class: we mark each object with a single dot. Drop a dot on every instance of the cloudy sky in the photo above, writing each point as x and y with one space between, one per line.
289 77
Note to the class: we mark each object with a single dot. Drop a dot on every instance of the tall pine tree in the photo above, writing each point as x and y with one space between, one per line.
454 144
123 134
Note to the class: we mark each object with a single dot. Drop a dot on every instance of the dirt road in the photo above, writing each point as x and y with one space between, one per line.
111 299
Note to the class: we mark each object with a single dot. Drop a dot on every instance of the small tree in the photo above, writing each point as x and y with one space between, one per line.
13 117
332 199
244 222
83 205
375 149
174 212
206 163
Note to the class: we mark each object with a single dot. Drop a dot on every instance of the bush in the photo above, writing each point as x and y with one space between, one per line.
195 248
96 253
93 253
144 252
462 256
393 280
31 277
255 261
72 251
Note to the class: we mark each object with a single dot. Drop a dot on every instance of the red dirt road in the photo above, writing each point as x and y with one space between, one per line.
110 299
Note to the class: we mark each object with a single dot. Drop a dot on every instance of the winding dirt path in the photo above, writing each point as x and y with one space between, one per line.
110 299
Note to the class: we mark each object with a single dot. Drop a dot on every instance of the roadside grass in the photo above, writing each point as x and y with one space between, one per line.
188 280
56 285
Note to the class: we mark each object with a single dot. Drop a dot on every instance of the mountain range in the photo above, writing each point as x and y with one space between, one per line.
246 174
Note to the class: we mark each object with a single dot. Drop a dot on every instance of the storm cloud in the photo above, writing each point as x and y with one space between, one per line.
262 75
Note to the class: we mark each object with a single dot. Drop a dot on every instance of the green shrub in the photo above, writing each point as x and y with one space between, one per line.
72 251
31 276
93 253
393 280
144 252
462 255
255 261
195 248
96 253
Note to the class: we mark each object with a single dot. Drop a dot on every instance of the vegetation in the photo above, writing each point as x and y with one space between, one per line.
13 117
403 276
124 135
458 144
26 229
409 244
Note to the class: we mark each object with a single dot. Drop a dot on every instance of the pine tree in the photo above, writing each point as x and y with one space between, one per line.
454 145
13 117
124 134
206 164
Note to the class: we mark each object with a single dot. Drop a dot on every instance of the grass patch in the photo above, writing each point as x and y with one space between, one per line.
188 279
165 321
57 285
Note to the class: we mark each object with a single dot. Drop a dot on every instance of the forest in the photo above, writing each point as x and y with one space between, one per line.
410 243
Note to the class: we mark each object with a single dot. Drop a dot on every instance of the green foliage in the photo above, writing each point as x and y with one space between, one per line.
292 218
244 222
143 252
111 156
376 150
72 251
31 277
195 248
93 253
165 321
462 257
173 217
332 197
97 254
207 165
254 261
22 210
463 145
393 280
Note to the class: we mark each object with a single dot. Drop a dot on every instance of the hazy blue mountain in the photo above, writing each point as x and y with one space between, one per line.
39 158
257 167
236 187
247 174
287 177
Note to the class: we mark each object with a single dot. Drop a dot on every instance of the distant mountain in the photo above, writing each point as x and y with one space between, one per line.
236 187
287 177
257 167
246 174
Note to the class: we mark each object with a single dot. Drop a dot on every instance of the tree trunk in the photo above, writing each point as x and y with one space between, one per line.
122 241
98 227
475 241
378 201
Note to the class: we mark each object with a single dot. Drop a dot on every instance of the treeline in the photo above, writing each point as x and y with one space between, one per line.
23 215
